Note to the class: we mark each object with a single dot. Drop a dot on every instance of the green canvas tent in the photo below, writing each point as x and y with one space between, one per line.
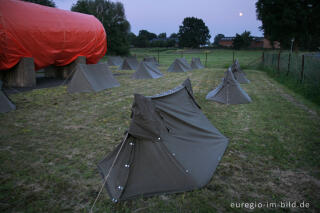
91 78
239 75
170 147
147 70
229 91
129 63
179 65
196 63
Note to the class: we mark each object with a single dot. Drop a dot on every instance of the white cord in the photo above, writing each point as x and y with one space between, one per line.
107 176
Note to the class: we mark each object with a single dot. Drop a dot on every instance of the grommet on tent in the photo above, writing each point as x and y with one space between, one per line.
114 200
187 171
127 165
158 138
120 187
131 144
173 154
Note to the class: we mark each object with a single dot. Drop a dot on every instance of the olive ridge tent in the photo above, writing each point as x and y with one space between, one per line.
179 65
151 59
6 104
196 63
170 147
229 91
239 75
91 78
114 60
147 70
129 63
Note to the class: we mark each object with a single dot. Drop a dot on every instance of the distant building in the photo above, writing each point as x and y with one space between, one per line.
257 42
226 41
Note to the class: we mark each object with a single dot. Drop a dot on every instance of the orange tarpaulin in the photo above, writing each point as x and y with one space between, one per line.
51 36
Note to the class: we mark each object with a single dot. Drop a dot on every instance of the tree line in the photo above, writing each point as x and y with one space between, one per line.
192 33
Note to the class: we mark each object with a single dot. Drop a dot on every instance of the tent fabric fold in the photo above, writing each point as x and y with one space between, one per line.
179 65
6 104
147 70
91 78
229 91
170 147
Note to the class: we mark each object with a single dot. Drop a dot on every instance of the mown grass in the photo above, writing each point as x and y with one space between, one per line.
216 58
50 145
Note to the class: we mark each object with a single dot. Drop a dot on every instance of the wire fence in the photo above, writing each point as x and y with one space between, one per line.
305 68
213 58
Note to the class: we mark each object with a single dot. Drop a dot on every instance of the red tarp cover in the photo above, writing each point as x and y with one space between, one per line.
51 36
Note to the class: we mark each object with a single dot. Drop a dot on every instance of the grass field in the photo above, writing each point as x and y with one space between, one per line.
50 146
217 58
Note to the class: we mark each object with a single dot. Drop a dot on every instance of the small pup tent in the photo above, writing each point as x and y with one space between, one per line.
196 63
170 147
114 60
147 70
49 35
179 65
129 63
91 78
239 75
229 91
6 104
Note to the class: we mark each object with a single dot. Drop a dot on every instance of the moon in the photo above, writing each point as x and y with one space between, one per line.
240 14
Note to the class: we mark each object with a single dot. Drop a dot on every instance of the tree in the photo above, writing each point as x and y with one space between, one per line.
132 38
174 36
162 36
145 34
193 32
112 16
49 3
217 38
283 20
242 41
144 38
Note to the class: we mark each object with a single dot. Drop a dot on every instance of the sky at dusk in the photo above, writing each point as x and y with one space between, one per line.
157 16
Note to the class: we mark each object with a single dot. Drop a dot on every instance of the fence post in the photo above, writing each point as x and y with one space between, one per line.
278 65
263 58
302 69
272 62
289 60
233 56
158 57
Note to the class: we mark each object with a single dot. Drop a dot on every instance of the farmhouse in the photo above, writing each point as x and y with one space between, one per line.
257 42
